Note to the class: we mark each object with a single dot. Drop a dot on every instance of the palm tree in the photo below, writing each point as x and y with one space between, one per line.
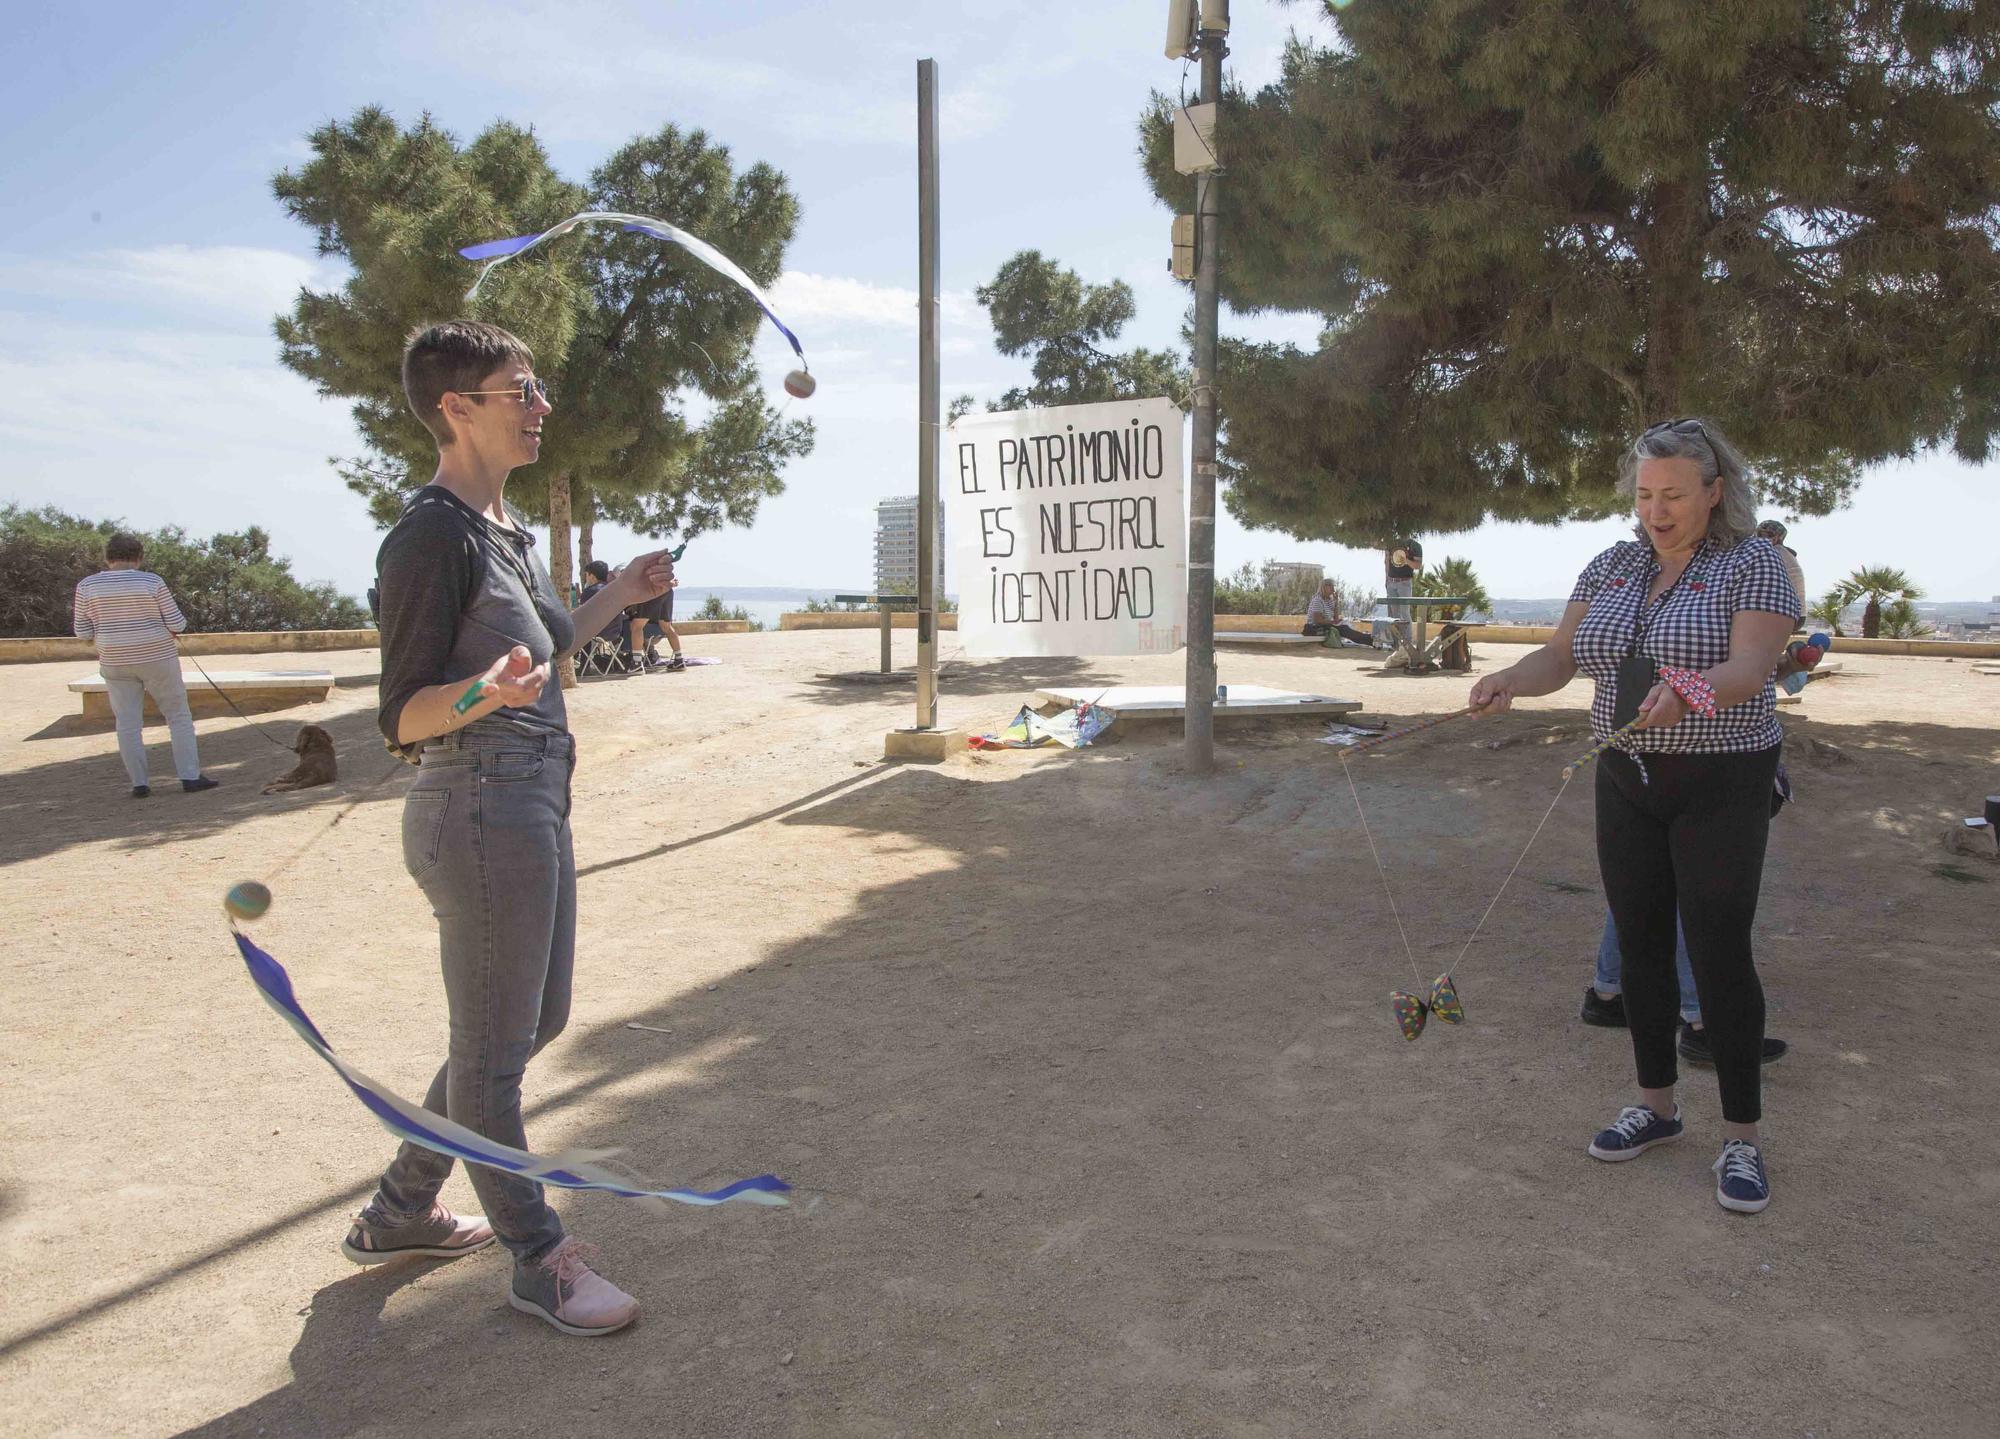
1454 577
1900 622
1875 585
1828 609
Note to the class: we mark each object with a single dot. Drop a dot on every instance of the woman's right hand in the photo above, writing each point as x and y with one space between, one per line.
1494 694
515 678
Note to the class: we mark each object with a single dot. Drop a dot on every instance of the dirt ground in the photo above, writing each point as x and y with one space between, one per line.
1084 1070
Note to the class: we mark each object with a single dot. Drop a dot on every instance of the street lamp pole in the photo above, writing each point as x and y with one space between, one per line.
1198 733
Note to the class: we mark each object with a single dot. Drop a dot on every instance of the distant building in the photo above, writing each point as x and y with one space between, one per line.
1292 575
896 546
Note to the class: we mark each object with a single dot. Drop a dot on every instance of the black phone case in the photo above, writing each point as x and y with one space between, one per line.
1636 678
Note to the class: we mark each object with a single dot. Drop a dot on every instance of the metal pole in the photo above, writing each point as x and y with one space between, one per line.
1198 732
929 433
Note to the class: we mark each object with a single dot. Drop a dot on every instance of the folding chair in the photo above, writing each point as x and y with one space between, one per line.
599 656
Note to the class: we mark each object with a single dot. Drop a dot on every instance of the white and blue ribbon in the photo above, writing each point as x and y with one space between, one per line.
419 1126
498 252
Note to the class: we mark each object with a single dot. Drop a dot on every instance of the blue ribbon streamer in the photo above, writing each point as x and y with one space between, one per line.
496 252
575 1170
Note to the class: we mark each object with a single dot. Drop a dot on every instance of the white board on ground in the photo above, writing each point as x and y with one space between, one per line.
1071 531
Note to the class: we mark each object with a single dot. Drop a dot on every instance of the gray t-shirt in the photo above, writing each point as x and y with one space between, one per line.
458 592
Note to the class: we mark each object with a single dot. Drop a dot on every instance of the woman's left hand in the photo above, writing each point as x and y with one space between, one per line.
1662 708
648 577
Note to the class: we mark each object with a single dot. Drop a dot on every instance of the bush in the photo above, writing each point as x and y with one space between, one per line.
713 608
816 606
226 582
1245 593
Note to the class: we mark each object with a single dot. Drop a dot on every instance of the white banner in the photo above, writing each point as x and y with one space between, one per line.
1070 529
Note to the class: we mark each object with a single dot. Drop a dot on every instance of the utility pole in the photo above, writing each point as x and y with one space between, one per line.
1198 733
929 433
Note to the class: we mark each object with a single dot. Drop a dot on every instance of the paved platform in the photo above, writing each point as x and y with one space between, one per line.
1170 701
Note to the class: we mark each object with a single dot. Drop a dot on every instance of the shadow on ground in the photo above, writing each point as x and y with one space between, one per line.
963 676
49 807
1104 1126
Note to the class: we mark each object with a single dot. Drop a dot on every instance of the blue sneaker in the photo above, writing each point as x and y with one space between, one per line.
1741 1183
1635 1131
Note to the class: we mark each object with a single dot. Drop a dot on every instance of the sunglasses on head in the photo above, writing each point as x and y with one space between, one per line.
527 392
1684 425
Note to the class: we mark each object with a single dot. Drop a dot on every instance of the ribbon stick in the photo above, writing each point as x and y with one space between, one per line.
1599 748
498 252
419 1126
1421 725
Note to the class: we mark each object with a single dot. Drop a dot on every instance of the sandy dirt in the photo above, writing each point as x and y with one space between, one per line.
1084 1070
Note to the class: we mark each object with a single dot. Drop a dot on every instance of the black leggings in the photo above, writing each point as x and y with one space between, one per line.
1692 841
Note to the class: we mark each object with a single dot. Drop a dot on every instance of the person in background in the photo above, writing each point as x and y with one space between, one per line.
1604 1000
131 617
1681 630
1400 564
1774 531
656 616
1323 618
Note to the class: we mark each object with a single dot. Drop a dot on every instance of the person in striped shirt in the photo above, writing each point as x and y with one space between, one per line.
131 617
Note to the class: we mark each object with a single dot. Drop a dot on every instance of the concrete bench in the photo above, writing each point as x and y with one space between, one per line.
250 689
1264 637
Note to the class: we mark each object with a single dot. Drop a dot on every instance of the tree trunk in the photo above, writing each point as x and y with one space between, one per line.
1871 619
560 568
1673 253
586 524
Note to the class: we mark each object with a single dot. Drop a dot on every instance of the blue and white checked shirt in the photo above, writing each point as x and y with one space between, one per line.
1688 627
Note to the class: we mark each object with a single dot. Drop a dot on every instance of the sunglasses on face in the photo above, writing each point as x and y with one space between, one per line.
527 392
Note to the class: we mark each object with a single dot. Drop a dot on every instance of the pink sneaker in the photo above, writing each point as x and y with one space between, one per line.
438 1235
562 1288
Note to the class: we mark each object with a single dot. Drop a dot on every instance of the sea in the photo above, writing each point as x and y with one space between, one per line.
762 604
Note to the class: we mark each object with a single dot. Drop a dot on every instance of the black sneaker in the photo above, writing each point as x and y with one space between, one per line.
140 791
678 662
195 786
1602 1012
1694 1046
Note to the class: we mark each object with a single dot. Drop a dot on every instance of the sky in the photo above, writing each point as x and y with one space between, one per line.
143 258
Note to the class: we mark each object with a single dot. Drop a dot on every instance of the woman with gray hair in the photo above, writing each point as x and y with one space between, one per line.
1681 630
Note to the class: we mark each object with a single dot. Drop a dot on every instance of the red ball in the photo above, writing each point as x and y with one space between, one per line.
1808 655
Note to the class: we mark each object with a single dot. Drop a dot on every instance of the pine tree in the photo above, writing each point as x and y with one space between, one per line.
1062 324
1532 229
623 327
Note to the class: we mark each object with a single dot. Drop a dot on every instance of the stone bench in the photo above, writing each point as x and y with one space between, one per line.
1264 637
250 689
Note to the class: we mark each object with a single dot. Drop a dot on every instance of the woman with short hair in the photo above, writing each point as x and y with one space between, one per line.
1681 630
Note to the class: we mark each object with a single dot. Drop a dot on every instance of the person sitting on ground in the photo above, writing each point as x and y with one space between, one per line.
130 614
1323 619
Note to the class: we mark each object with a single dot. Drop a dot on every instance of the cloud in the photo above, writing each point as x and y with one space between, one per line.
224 286
839 299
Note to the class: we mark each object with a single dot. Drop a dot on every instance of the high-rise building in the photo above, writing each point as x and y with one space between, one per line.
1292 574
896 546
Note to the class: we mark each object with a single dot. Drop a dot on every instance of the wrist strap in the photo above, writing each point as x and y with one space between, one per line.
1693 688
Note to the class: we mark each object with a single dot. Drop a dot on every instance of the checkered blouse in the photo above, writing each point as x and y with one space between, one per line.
1687 626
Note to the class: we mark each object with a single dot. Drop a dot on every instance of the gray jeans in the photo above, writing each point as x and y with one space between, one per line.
1399 620
127 687
486 836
